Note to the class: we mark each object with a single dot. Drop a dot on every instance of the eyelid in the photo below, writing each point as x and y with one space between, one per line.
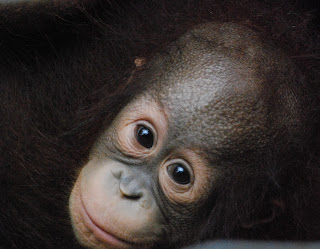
143 112
145 123
128 143
203 177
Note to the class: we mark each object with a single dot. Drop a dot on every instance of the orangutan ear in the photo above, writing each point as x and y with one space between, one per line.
139 62
273 209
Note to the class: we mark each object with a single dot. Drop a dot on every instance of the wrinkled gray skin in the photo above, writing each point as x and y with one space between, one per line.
228 94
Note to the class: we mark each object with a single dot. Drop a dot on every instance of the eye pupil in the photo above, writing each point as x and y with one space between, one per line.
145 137
179 174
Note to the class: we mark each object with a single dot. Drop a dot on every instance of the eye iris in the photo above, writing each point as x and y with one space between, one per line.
145 137
179 174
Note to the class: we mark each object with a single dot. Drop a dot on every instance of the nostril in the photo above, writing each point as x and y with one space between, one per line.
131 197
130 193
130 188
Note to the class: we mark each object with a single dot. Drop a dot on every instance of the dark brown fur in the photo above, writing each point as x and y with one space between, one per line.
64 73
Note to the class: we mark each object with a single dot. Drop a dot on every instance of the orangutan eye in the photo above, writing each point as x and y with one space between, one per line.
144 136
179 173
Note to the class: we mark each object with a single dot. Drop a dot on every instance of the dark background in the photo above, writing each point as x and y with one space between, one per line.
313 6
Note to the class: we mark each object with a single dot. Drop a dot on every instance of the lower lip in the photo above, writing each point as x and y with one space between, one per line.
102 235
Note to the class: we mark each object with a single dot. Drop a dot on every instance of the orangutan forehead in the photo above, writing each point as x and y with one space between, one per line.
211 93
215 82
216 92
